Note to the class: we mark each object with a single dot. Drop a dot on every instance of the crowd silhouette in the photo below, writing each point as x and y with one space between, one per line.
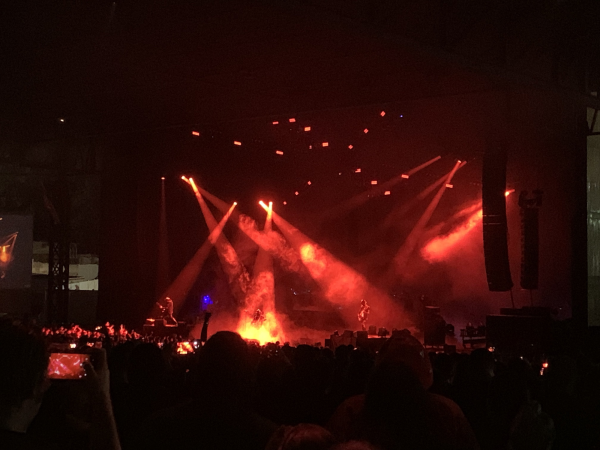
140 393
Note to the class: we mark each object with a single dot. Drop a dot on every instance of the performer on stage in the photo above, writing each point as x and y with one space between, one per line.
258 318
363 314
167 313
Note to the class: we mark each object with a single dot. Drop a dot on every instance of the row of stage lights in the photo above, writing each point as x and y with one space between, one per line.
324 144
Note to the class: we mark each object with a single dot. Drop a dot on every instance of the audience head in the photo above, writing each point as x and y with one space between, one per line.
301 437
408 350
224 368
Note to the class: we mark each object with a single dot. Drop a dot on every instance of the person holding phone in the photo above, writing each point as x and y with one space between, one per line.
24 380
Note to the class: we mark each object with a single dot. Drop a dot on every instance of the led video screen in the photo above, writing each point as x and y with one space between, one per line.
16 248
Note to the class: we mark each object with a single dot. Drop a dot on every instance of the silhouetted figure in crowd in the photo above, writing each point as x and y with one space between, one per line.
396 411
220 416
23 386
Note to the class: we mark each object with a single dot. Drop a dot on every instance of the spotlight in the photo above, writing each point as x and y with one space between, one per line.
237 143
195 133
292 120
270 205
297 193
325 144
261 203
285 203
279 152
366 130
449 186
309 183
387 193
61 120
405 176
306 128
382 113
350 146
162 178
508 192
374 182
275 122
234 203
357 170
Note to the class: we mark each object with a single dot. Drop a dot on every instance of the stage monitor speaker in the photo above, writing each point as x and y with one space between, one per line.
372 330
495 229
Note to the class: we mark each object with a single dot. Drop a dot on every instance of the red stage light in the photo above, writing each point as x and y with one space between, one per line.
279 152
234 203
382 113
162 178
309 183
196 133
306 128
405 176
374 182
507 193
285 203
545 365
292 120
366 130
387 193
325 144
351 146
357 171
310 147
276 123
237 143
449 186
297 193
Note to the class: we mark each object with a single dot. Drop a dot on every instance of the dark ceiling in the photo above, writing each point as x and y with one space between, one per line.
113 67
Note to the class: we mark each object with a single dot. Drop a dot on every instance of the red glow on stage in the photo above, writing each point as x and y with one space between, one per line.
366 130
292 120
237 143
296 193
309 183
387 193
358 171
325 144
275 122
507 193
405 176
196 133
162 178
449 186
268 331
374 182
382 113
306 128
439 247
285 203
351 146
279 152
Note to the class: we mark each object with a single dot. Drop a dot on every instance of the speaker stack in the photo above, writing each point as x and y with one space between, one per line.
495 229
530 241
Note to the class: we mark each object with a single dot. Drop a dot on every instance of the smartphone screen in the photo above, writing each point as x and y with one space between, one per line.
67 366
